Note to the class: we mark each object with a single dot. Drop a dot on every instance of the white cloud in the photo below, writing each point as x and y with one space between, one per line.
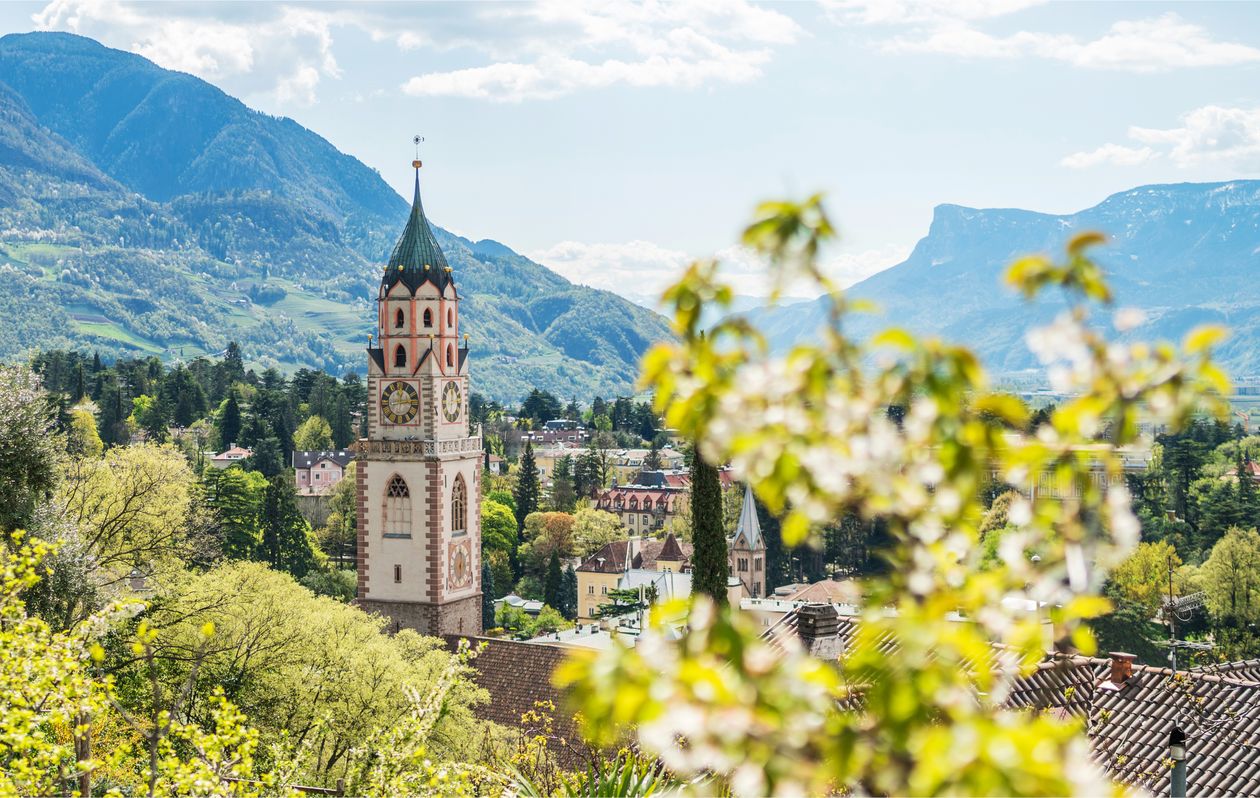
1116 154
641 270
280 52
574 46
1211 134
284 53
905 12
1148 45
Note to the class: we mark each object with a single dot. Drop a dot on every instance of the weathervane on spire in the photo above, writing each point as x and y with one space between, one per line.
417 141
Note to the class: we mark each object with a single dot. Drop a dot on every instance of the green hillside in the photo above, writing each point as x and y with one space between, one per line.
145 211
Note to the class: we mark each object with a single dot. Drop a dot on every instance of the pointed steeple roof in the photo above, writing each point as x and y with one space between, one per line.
671 551
417 258
748 528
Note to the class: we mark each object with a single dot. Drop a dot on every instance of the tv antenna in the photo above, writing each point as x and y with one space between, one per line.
1170 610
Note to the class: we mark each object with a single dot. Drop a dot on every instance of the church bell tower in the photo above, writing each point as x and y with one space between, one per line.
419 468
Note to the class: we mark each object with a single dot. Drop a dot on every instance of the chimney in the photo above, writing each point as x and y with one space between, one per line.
1121 670
1177 753
818 626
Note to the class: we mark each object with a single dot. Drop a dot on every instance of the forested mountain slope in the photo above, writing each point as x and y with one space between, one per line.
1186 254
146 211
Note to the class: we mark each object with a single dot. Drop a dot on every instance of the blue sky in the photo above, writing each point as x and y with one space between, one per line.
614 141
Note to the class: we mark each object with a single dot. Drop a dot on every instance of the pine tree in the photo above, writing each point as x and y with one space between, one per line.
710 568
236 496
553 588
285 543
570 604
652 461
229 422
487 597
342 423
527 489
563 497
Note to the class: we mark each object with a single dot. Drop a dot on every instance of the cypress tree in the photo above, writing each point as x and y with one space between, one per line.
553 588
569 610
230 422
710 567
527 489
487 596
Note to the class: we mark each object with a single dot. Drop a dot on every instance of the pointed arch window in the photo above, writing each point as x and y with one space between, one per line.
459 506
400 357
428 318
396 512
399 318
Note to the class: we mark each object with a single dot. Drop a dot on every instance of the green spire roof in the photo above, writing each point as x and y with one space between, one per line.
417 258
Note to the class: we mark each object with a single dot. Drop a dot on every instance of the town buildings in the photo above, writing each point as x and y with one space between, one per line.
232 454
315 472
636 561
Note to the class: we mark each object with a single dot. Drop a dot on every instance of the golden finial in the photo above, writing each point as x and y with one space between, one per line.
448 269
416 163
369 340
426 267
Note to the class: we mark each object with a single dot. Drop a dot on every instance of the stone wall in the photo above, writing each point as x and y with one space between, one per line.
460 617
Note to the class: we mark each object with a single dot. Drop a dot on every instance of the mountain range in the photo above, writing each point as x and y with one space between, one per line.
146 212
1185 254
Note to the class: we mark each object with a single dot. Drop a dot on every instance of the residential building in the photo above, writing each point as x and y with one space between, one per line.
315 472
545 459
627 463
608 568
229 456
642 510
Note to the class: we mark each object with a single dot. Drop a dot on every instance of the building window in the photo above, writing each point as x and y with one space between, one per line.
756 588
397 509
590 590
459 506
450 317
757 564
604 589
397 574
400 357
450 355
428 318
399 318
645 519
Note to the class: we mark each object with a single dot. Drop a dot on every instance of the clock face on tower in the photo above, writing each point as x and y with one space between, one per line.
451 402
399 402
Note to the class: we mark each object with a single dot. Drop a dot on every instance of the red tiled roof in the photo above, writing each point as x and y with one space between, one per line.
610 559
1129 723
517 675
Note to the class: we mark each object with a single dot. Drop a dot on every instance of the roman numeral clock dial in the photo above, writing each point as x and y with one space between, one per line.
400 402
452 402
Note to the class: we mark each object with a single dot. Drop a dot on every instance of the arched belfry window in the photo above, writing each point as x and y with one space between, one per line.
450 317
450 355
459 505
428 318
399 318
400 357
397 510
